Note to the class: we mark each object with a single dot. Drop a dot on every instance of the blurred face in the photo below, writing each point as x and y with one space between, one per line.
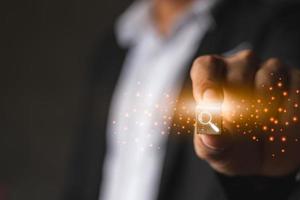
166 11
182 2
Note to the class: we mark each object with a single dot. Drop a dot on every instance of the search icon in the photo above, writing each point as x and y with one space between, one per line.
205 119
208 118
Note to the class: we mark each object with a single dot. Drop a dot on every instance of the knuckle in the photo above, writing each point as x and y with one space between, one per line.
205 60
264 77
273 65
263 73
203 63
248 55
249 60
270 71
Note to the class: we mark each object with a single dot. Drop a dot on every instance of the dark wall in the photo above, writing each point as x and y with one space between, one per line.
42 69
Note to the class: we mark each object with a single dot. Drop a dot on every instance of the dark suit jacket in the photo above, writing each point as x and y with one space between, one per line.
271 29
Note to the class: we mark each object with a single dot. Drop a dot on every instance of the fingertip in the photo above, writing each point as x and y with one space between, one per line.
212 95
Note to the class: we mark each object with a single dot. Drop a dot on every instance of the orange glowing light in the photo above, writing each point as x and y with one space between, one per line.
271 138
265 128
279 84
283 139
285 93
295 119
286 123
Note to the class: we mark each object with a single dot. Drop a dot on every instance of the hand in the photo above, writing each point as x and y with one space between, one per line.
261 130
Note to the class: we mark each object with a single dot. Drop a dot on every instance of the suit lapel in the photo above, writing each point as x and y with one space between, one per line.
179 147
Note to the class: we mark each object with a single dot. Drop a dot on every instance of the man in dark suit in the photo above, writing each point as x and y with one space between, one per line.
147 67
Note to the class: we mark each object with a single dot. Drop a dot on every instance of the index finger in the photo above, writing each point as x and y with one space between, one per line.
207 74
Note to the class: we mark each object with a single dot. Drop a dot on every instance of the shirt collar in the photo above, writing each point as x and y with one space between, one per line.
137 18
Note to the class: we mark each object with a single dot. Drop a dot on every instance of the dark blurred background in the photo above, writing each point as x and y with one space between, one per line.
44 44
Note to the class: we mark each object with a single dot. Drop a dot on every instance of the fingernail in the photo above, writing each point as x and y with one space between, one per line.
211 95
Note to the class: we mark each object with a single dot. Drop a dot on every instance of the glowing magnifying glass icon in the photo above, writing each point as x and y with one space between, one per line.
205 118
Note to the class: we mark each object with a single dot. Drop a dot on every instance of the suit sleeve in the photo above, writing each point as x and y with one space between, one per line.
282 38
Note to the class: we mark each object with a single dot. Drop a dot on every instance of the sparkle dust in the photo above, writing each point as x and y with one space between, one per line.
259 119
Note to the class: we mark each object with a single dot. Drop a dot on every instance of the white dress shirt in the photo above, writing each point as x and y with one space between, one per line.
144 98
